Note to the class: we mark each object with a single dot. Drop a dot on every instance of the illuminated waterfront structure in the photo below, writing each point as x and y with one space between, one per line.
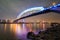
35 15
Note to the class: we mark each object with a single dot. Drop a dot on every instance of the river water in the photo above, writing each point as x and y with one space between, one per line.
12 32
15 31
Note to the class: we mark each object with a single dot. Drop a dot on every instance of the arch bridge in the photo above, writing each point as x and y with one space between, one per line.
55 8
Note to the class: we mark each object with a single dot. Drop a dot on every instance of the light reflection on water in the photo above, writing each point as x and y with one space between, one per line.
12 31
15 31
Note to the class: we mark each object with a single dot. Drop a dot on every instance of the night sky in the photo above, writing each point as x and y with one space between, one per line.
10 9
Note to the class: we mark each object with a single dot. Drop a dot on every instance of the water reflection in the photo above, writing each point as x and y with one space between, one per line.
12 31
17 31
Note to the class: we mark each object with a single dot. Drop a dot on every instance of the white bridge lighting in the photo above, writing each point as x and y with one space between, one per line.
30 9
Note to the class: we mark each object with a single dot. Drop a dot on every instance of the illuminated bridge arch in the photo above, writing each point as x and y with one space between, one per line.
30 11
55 8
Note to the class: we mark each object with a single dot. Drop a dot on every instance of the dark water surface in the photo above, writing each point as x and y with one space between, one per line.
15 31
12 32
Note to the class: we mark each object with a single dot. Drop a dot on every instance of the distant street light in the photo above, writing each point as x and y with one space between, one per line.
54 3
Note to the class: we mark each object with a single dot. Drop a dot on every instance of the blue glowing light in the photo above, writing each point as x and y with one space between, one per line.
36 8
55 5
30 9
59 4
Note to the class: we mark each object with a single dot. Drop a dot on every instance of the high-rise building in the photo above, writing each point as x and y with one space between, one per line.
0 20
45 25
3 20
8 21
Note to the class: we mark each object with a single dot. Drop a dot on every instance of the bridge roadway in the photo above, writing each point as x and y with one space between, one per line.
54 8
